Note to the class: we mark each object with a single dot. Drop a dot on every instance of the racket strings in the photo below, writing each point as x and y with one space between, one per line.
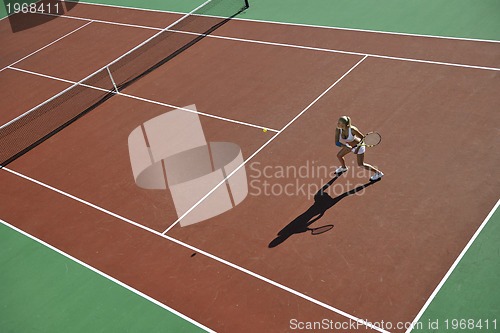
372 139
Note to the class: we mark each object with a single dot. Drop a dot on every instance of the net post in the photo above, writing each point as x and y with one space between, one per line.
246 4
112 80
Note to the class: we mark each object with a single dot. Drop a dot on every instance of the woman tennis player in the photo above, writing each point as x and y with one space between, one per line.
348 137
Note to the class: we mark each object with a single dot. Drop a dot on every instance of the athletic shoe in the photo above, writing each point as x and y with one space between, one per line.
376 176
341 170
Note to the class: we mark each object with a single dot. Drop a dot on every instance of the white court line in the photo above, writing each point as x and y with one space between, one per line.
405 59
29 55
209 255
305 25
50 77
372 31
303 47
109 277
341 51
283 45
43 103
452 268
111 63
101 21
198 112
137 98
268 142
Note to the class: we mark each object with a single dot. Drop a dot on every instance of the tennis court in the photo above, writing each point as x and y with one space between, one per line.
275 91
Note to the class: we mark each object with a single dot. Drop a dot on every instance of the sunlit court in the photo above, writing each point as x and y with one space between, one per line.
239 166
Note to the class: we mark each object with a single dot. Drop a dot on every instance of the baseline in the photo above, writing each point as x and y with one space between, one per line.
367 325
455 264
298 24
404 44
101 273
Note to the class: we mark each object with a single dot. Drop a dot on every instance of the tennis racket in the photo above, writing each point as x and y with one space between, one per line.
320 230
371 139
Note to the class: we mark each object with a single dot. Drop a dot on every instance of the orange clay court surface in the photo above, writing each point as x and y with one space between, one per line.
433 100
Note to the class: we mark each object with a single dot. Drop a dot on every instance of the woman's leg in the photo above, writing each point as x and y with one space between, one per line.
340 155
361 163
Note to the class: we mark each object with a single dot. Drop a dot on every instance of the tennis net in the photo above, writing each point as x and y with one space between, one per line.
40 123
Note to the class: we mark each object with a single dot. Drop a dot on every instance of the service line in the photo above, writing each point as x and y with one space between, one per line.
73 84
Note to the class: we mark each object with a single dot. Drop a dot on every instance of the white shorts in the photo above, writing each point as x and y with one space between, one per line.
361 150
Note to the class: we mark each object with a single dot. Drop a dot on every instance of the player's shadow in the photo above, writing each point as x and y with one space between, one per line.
322 202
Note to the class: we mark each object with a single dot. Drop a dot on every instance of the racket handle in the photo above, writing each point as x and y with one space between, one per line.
361 142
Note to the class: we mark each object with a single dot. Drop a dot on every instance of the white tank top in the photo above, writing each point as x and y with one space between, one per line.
349 138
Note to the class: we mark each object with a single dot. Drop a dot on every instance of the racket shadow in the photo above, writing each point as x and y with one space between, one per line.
322 202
